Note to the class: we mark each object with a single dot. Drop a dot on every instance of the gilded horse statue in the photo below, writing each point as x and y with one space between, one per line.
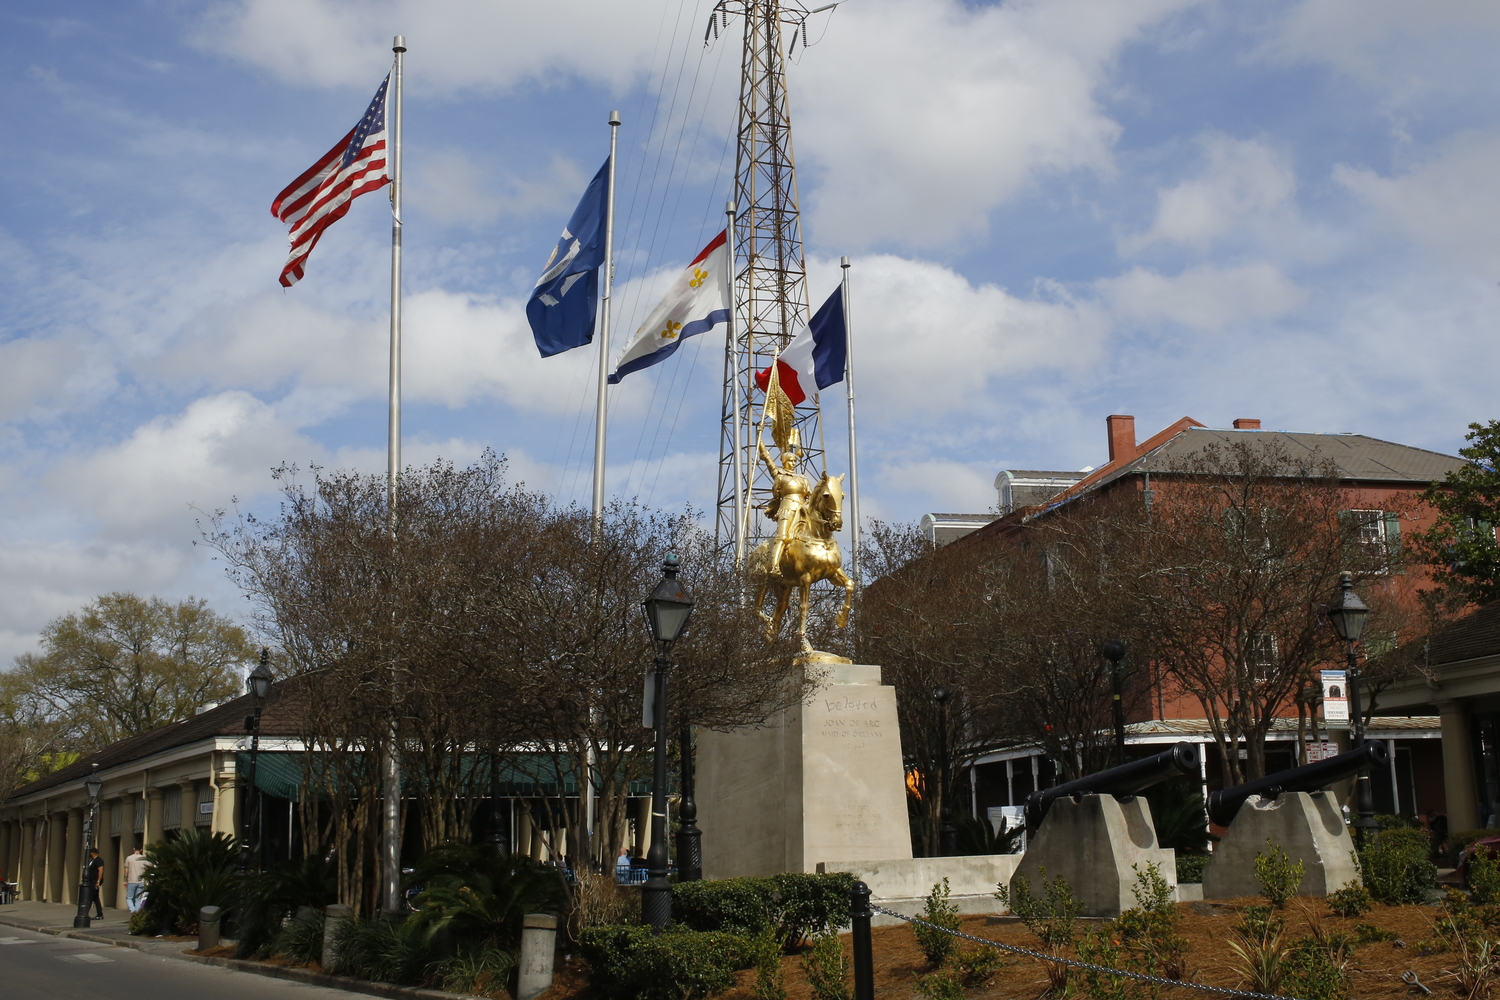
809 555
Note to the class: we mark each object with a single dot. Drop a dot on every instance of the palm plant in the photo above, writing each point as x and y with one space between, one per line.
273 895
194 870
477 896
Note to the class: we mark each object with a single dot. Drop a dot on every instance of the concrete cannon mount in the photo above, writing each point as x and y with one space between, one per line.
1092 841
903 884
1308 826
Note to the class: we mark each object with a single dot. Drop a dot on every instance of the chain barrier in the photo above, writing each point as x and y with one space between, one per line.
1074 963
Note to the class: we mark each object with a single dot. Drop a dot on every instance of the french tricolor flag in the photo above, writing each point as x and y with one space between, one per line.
816 357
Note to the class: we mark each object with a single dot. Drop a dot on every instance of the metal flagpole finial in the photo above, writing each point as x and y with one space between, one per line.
729 208
614 117
399 44
843 262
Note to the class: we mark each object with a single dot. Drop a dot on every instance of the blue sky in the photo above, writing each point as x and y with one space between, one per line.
1056 210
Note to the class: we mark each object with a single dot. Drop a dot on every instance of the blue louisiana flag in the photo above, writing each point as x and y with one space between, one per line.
562 305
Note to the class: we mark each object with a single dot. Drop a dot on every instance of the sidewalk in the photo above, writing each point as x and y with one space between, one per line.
114 929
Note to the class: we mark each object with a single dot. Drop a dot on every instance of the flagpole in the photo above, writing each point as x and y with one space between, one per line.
601 408
854 528
390 773
732 353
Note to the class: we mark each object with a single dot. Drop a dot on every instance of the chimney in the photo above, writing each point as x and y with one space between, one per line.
1246 424
1121 437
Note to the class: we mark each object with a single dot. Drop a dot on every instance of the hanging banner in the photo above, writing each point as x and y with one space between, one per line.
1335 696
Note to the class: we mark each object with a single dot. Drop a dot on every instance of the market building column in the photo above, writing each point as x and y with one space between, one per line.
102 834
125 811
28 860
72 856
7 870
56 825
1458 766
226 806
155 804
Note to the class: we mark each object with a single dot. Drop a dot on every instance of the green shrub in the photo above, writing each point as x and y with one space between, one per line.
1278 876
193 870
143 921
1179 815
1051 917
827 967
1353 900
1190 867
797 904
1483 871
1395 869
1370 934
1389 821
977 965
481 972
944 984
476 897
978 836
633 963
268 898
301 940
765 948
385 952
937 944
1314 969
1259 949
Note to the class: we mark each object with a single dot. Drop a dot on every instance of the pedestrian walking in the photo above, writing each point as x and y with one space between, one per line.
94 879
136 867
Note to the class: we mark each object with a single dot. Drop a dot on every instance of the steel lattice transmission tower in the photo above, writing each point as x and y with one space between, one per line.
771 297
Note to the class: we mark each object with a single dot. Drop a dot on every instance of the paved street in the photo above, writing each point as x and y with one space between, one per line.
37 966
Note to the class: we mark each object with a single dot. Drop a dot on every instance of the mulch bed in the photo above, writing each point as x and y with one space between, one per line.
1375 968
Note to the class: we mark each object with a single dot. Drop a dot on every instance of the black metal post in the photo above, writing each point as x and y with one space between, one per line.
1114 652
689 837
497 835
86 884
250 802
656 894
947 833
1364 797
864 955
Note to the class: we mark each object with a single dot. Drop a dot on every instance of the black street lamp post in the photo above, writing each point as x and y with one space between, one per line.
497 837
947 834
1114 652
258 684
689 837
667 612
85 883
1348 614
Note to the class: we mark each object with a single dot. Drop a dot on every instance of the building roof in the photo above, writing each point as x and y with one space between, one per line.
281 716
1472 636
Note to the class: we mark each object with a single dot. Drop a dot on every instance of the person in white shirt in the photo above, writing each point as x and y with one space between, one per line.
136 867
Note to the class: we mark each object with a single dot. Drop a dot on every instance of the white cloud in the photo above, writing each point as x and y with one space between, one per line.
453 188
455 45
921 117
218 447
1244 186
929 341
1204 298
1450 204
940 485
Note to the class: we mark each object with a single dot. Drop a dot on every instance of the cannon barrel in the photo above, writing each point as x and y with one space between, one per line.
1127 779
1223 805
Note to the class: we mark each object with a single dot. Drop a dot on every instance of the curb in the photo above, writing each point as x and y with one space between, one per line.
295 974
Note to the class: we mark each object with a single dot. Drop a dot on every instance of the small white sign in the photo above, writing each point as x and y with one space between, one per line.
648 702
205 809
1321 751
1335 696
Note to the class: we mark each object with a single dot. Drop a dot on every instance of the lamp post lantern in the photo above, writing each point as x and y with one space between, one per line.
667 612
947 834
1114 652
258 685
1348 614
85 883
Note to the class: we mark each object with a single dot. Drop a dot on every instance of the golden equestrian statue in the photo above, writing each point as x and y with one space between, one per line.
803 550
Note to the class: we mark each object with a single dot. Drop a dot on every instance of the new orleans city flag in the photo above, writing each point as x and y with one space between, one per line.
697 301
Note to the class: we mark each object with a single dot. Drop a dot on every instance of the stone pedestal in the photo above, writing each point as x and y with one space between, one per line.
1092 842
820 782
903 885
1308 826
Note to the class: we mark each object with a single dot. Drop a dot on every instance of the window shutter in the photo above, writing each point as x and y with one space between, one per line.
1348 533
1392 532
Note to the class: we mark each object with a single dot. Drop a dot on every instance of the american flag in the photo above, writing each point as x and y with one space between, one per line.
321 196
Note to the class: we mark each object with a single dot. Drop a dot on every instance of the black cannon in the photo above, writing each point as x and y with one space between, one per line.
1223 805
1127 779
